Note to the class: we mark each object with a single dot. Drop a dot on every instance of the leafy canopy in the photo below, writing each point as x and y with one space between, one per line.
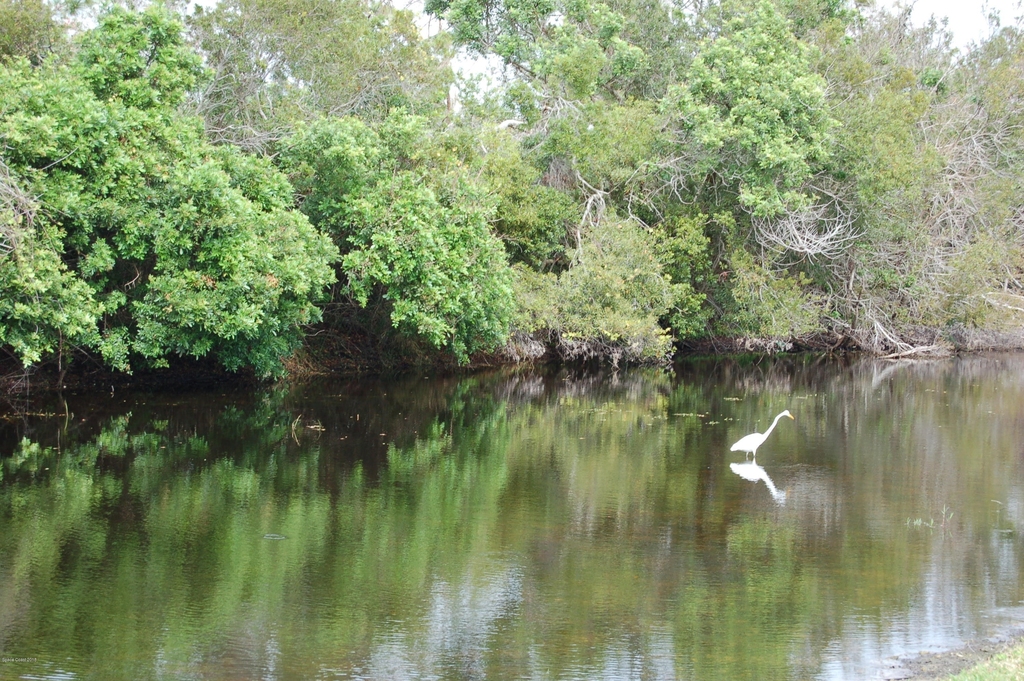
752 113
148 242
413 227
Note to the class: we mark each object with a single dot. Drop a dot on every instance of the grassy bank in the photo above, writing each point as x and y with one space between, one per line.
1005 666
996 659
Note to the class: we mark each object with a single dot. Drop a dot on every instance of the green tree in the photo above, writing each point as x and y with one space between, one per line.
575 47
606 306
44 308
274 62
413 227
161 244
27 29
532 219
752 114
928 162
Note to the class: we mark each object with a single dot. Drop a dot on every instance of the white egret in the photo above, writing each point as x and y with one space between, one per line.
750 443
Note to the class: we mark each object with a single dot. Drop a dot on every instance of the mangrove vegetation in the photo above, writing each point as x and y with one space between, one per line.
287 184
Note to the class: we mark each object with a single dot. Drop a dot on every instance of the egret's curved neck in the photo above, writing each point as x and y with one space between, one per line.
772 427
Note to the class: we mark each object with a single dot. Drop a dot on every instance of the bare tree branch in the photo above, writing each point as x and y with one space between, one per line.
823 230
17 211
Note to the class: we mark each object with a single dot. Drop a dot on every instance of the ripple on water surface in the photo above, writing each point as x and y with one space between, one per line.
547 525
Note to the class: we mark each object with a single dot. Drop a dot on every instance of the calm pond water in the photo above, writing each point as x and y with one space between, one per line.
518 525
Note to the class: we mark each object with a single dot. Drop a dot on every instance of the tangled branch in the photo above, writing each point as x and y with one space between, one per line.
822 230
17 211
594 208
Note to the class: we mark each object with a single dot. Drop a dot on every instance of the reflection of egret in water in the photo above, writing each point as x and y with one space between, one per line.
749 470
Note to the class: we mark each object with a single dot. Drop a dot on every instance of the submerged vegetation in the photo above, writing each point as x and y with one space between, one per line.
232 182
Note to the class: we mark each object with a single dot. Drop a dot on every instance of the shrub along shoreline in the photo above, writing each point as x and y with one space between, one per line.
329 355
275 195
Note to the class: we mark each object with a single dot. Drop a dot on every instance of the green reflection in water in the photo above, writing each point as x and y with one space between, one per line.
541 525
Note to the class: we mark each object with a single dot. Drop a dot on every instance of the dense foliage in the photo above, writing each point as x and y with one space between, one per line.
413 225
145 241
640 173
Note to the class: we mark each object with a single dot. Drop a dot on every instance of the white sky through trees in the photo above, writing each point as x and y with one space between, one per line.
968 20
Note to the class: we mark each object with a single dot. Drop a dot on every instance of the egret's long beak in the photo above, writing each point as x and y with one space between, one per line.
791 416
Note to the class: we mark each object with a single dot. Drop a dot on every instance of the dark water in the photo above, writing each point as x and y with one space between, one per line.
518 525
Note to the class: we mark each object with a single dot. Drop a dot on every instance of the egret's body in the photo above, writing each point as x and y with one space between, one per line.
750 443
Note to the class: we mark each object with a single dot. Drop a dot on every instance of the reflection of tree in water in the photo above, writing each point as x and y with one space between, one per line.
559 523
